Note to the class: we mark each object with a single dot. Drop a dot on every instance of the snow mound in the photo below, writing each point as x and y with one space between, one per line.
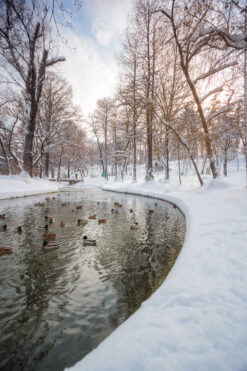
215 184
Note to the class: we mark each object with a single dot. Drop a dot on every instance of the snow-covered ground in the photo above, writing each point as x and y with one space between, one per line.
197 319
22 186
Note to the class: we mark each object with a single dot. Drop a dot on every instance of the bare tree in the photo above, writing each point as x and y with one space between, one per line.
185 20
129 92
25 44
103 117
57 118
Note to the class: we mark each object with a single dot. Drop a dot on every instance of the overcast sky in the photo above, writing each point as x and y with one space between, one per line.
95 36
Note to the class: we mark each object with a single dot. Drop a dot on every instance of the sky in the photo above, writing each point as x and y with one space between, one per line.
94 38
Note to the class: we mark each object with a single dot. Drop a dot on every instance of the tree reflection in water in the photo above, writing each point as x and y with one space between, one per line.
57 306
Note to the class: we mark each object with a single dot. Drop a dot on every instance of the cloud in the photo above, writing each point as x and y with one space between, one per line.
91 74
90 65
108 19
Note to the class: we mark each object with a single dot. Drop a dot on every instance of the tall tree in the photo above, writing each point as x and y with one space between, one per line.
147 26
26 44
186 19
104 115
57 117
129 93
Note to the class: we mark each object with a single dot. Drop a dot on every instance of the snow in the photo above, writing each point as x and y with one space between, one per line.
197 319
22 186
52 61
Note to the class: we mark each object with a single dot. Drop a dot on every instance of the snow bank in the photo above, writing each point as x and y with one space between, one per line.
197 319
22 185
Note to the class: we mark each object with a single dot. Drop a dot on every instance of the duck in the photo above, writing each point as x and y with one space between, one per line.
50 245
82 221
92 216
62 224
43 227
78 207
49 236
64 204
18 229
134 226
151 211
131 211
88 241
116 203
114 211
3 227
5 250
101 221
2 216
51 220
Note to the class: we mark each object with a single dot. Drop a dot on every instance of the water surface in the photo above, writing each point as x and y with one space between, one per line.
56 306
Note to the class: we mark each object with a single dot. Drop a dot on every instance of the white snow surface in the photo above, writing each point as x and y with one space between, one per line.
22 186
197 319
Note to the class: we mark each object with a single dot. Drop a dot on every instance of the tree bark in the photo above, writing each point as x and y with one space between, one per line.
47 164
59 164
5 157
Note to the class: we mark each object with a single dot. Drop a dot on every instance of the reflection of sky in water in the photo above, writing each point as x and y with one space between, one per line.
56 306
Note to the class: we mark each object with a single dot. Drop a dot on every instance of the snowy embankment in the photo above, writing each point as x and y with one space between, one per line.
197 319
23 185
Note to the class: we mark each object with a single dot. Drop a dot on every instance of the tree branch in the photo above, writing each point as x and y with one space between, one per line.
216 90
224 109
214 70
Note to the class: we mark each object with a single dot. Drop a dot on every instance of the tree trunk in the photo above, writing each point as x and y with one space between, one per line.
47 164
167 154
28 149
5 157
134 152
106 149
115 151
245 106
68 168
134 124
179 167
149 102
207 139
59 164
41 170
225 162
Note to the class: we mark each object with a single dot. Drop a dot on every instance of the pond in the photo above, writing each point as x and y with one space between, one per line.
56 306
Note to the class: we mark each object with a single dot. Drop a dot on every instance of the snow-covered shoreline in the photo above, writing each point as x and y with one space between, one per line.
22 186
197 319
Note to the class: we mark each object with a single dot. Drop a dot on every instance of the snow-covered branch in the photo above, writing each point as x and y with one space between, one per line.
224 109
214 70
52 61
236 41
216 90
